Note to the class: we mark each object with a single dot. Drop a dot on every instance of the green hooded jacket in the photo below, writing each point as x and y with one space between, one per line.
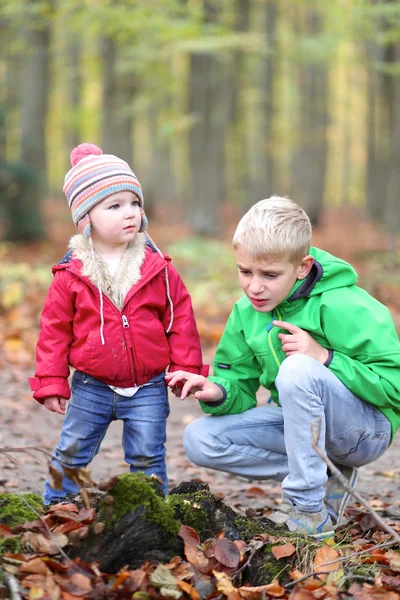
339 315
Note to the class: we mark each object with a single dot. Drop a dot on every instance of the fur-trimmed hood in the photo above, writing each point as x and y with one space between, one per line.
95 268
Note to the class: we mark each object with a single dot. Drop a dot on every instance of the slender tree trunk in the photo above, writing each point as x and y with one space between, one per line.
209 108
160 180
74 90
310 154
118 94
260 163
392 213
25 217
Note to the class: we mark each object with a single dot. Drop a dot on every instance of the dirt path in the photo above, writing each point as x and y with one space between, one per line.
24 422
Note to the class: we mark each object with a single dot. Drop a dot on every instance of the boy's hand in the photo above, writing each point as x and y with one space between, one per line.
202 388
55 404
298 341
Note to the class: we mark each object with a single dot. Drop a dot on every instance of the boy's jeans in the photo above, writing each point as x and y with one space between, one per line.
270 442
90 411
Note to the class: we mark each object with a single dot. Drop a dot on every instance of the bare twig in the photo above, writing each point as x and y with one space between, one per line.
247 563
26 450
335 471
13 586
46 526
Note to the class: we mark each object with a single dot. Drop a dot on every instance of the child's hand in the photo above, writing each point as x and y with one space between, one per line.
202 388
298 341
55 404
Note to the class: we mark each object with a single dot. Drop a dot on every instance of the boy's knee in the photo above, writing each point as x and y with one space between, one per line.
196 443
295 369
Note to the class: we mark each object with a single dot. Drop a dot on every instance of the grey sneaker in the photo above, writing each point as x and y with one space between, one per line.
315 524
336 497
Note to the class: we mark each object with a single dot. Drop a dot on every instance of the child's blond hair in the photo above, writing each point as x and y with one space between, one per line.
275 228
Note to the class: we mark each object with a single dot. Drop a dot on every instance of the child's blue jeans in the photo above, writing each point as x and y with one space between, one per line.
271 442
92 407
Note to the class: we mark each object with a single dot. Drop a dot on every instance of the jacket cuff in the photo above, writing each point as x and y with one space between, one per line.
218 402
43 387
329 359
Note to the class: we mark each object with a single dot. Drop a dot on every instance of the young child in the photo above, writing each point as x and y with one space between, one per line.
324 349
119 314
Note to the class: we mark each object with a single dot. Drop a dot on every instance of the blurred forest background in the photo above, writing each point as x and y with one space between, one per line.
215 104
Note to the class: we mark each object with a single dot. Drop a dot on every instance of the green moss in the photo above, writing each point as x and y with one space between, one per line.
190 509
14 511
248 528
10 545
133 490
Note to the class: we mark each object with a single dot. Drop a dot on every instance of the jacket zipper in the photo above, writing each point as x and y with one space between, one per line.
269 329
125 325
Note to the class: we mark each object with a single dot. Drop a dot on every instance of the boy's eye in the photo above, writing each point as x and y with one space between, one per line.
271 275
243 272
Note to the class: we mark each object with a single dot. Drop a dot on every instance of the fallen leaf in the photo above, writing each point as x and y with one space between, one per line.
255 492
323 555
283 551
227 553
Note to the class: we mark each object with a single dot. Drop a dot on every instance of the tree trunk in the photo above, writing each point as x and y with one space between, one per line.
25 221
310 154
118 94
209 109
74 91
159 185
260 163
391 214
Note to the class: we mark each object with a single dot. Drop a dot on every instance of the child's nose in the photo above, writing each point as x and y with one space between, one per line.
256 286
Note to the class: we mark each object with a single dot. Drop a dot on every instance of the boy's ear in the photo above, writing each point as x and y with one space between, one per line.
305 266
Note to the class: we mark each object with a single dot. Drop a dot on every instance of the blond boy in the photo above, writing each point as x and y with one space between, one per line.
322 346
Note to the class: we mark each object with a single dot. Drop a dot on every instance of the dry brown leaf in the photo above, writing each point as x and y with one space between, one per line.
323 555
273 589
283 551
39 543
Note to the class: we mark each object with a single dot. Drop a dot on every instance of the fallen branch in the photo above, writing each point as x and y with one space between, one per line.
335 471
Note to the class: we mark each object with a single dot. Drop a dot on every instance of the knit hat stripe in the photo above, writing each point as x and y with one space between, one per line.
95 175
97 162
81 186
84 204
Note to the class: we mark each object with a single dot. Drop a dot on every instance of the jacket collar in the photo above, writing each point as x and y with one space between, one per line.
134 269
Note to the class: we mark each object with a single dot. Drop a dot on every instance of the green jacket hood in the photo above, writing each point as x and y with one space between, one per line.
335 273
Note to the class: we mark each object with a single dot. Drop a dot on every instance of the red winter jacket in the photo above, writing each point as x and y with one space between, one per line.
136 347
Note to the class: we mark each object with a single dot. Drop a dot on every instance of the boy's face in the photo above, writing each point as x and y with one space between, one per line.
267 283
116 220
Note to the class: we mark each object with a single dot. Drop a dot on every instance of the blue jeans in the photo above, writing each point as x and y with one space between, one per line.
90 411
271 442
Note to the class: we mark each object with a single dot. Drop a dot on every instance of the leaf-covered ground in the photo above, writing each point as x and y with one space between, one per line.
207 267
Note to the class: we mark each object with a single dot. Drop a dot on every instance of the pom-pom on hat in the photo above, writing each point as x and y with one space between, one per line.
93 177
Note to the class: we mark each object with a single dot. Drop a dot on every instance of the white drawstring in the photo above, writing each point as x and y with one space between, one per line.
101 300
171 304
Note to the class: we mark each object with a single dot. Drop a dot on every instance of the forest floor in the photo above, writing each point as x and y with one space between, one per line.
24 423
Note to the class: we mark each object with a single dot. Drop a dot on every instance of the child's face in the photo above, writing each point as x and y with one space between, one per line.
116 220
267 283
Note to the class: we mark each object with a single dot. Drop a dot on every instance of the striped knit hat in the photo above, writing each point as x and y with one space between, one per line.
95 176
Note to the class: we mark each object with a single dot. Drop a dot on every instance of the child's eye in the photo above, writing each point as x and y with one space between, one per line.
135 202
243 272
114 206
271 275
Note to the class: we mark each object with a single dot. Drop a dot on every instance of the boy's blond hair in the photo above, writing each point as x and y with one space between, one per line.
275 228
